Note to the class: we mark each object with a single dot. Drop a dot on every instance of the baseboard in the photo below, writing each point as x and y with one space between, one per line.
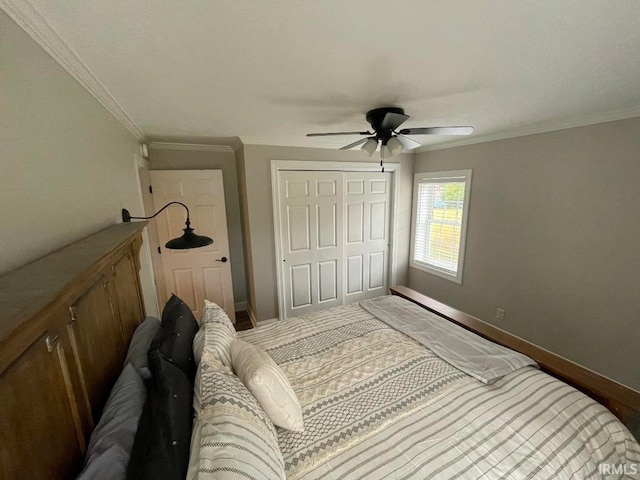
240 306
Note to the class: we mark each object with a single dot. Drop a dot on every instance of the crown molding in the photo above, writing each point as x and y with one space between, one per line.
37 27
237 143
200 147
539 128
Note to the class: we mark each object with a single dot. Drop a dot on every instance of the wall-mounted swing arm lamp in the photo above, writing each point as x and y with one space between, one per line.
187 240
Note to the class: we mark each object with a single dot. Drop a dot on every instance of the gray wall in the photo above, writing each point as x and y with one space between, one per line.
164 159
246 233
256 170
67 167
554 239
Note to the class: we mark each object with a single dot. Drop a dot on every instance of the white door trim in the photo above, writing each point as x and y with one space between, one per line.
281 165
147 260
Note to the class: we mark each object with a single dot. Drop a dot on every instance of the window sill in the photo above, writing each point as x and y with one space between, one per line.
447 275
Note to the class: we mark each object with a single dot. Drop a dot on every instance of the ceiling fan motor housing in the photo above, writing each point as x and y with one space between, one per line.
376 117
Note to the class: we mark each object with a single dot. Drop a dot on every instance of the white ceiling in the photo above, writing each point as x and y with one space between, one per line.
270 72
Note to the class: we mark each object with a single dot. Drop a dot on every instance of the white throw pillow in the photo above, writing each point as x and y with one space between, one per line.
219 333
268 383
198 345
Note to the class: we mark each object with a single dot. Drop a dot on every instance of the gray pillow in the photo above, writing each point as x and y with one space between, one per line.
111 442
139 346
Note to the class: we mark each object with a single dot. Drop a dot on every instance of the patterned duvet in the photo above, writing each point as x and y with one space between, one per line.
377 404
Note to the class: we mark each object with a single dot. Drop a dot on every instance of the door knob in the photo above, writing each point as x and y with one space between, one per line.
223 260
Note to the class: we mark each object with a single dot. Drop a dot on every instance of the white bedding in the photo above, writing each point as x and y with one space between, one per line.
377 404
486 361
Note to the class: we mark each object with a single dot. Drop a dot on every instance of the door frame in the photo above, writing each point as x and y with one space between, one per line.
302 165
147 257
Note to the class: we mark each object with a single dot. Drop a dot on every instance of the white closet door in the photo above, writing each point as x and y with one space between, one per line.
311 217
366 244
334 234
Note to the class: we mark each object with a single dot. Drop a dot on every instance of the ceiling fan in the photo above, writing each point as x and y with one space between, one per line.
385 122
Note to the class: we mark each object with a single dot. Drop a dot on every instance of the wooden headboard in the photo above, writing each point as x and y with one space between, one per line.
65 324
622 401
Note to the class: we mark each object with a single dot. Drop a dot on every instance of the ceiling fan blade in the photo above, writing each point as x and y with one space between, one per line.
437 131
354 144
408 143
392 120
337 133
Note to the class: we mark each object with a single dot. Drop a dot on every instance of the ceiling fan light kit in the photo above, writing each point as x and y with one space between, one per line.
395 146
370 146
385 122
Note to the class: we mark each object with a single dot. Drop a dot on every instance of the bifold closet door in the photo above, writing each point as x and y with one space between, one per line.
366 243
311 227
334 238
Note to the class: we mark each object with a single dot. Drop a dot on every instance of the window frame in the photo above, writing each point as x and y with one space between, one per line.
429 177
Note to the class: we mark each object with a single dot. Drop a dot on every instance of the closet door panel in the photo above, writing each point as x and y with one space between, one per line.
311 240
367 203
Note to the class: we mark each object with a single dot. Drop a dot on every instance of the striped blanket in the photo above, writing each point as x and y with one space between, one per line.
377 404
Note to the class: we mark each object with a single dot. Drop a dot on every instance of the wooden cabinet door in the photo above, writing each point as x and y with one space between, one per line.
40 431
125 281
98 343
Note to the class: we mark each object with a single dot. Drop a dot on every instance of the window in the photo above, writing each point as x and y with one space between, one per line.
440 208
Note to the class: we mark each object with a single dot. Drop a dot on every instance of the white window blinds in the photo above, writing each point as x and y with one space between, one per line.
440 208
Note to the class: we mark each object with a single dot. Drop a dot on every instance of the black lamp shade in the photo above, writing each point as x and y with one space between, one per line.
186 241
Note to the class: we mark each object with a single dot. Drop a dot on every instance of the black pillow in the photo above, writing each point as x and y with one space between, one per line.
174 339
161 446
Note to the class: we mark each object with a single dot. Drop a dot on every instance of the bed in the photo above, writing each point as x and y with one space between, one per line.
378 403
374 401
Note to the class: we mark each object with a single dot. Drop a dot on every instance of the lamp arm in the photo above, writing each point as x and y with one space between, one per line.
126 217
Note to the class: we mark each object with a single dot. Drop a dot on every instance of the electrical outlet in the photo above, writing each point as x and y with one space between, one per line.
500 314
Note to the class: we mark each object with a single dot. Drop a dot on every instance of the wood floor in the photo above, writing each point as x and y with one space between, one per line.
243 322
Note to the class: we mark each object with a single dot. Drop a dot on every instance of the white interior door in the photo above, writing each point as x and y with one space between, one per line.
312 226
334 237
367 209
197 273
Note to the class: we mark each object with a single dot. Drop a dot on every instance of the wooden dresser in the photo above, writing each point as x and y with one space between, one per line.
65 324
